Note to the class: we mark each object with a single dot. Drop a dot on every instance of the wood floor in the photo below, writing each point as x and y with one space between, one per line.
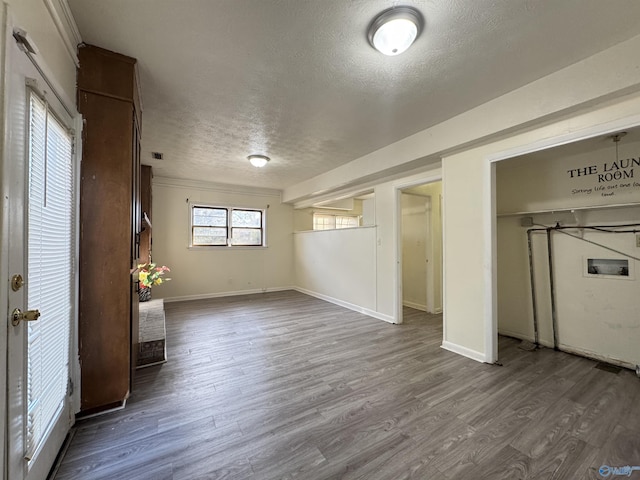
283 385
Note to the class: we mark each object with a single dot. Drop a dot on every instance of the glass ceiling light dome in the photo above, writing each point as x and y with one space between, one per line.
258 160
395 29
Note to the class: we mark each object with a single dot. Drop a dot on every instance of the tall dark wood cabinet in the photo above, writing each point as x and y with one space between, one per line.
110 215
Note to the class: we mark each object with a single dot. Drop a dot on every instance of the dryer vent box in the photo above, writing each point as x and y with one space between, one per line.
608 267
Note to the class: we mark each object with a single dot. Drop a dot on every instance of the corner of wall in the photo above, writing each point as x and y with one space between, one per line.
466 352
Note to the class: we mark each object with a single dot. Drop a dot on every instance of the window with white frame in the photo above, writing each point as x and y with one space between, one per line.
323 221
227 226
50 268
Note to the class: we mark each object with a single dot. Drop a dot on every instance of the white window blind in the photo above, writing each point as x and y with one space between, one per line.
50 263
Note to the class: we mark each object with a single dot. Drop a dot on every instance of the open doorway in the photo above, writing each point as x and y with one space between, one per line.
568 249
420 244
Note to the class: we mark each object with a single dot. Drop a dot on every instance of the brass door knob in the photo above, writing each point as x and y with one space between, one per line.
28 316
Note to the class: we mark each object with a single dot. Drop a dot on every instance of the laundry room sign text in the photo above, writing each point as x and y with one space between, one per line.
609 177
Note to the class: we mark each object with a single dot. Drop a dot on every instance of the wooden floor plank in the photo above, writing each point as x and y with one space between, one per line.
286 386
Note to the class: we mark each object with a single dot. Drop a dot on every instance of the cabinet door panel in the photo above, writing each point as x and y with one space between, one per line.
105 250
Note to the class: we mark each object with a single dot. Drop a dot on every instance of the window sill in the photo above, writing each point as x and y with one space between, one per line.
226 248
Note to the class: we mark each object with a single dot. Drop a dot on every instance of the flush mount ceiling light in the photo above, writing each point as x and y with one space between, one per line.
258 160
395 29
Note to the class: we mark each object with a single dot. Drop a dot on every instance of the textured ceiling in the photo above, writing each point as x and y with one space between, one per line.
297 80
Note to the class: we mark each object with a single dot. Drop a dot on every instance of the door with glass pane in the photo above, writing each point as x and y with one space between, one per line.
41 265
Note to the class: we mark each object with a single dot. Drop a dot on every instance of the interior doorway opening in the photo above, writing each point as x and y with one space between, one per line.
420 246
567 247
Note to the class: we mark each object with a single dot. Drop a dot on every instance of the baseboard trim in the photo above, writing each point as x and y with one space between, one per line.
422 308
569 349
595 356
417 306
335 301
98 411
350 306
151 364
520 336
465 352
204 296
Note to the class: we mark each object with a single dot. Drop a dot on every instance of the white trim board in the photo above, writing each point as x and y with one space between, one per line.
465 352
490 234
416 306
350 306
66 25
335 301
204 296
490 214
594 356
526 337
368 184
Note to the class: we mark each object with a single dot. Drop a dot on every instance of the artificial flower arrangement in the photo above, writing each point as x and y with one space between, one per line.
149 274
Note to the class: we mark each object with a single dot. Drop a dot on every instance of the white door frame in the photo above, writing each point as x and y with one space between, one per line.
490 219
4 251
421 179
429 254
14 181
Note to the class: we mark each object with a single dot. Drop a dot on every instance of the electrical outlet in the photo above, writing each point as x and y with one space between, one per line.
637 240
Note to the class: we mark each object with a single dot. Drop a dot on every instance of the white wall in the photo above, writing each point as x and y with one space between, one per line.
387 222
598 316
203 272
515 314
368 212
555 178
338 265
415 216
465 263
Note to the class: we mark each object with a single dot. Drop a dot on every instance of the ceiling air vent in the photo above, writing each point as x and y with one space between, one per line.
156 155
